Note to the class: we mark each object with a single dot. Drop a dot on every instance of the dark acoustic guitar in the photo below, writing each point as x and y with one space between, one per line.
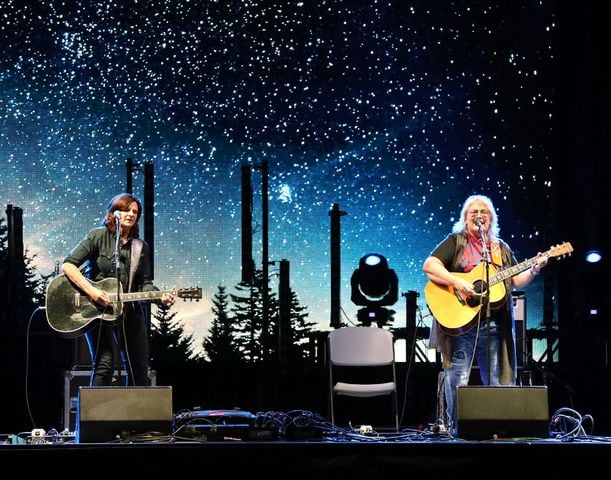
71 313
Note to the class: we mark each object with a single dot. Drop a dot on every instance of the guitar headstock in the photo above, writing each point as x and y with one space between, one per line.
189 293
560 250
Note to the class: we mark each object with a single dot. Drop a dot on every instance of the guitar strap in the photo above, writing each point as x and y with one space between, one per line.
136 250
461 242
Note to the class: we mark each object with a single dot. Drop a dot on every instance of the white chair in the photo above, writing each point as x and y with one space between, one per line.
362 347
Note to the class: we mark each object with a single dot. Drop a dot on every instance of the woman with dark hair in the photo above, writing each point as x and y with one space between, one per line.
114 251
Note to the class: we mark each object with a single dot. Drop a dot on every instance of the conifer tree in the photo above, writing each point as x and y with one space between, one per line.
170 345
22 288
301 327
247 312
220 344
248 321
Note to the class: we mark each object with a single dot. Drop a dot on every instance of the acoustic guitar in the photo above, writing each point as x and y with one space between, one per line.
71 313
457 314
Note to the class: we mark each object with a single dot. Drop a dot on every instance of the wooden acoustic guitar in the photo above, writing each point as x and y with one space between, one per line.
457 314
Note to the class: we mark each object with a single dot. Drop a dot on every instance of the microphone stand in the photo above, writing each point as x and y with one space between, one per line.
118 308
486 295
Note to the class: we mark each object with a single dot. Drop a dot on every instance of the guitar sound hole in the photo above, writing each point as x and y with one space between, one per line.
481 289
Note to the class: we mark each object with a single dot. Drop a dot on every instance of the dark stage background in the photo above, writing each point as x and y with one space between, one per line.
394 110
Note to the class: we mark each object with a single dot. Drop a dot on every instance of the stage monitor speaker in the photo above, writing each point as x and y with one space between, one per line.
487 412
113 413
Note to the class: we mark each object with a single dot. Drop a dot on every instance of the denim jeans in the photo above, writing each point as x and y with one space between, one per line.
463 348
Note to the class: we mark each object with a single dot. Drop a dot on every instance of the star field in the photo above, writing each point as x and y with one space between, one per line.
394 110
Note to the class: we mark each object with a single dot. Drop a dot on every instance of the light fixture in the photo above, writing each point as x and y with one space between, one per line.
593 256
374 285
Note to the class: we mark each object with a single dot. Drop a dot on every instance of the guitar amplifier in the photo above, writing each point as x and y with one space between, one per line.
79 377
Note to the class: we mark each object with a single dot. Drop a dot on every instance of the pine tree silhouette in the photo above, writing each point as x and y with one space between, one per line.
220 344
170 345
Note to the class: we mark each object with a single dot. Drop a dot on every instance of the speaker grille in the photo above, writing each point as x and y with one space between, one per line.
502 412
111 413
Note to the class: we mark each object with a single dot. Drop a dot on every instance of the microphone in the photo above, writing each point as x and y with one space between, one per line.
478 222
117 215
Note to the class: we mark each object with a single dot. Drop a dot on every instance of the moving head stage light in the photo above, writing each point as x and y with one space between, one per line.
374 286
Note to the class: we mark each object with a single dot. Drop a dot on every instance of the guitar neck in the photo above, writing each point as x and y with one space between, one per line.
511 271
137 296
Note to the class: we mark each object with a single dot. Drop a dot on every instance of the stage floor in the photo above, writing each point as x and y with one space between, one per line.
359 456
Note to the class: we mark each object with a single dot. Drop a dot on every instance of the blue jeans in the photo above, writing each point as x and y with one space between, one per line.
463 348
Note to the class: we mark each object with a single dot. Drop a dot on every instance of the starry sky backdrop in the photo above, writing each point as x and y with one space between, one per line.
394 110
